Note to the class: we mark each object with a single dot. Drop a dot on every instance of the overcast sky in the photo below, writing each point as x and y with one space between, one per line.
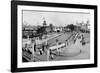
56 18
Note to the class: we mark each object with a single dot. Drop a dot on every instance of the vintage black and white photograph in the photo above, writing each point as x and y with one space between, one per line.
51 36
55 36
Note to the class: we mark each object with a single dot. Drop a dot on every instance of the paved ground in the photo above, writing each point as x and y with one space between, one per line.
75 52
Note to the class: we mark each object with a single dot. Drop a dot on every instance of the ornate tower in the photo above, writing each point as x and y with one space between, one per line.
44 22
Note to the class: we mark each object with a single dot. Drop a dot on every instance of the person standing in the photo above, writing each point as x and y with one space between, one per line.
83 40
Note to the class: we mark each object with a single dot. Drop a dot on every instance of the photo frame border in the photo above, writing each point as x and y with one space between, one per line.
14 33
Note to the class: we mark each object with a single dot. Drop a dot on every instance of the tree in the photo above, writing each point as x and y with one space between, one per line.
71 26
41 31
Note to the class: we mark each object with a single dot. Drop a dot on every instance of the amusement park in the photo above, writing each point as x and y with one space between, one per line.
48 42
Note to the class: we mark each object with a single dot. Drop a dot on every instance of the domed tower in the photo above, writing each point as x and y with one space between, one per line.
44 22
